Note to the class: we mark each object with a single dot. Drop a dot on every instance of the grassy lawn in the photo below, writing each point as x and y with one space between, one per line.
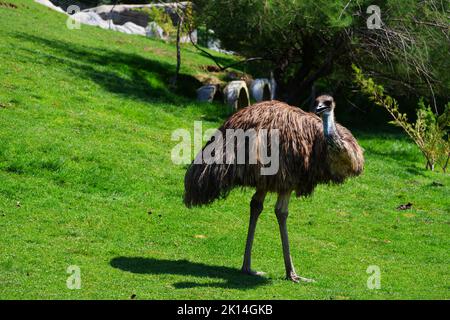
86 179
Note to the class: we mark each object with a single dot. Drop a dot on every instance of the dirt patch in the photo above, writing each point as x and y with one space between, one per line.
238 76
209 79
121 41
4 105
405 206
156 51
211 68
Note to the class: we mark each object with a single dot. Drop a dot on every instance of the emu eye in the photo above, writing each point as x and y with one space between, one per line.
328 103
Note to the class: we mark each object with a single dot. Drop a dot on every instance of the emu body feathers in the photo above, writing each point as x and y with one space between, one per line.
305 156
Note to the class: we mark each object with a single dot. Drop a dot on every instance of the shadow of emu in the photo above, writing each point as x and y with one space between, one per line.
232 278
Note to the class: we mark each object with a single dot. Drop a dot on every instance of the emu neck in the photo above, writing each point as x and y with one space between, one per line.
329 130
329 125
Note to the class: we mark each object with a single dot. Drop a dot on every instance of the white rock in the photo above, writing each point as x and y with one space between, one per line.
187 38
153 30
206 93
261 90
130 28
50 5
91 18
236 95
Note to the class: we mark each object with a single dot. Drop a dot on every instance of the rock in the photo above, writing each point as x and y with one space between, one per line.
122 13
187 38
214 44
130 28
236 95
261 90
207 93
91 19
124 18
50 5
153 30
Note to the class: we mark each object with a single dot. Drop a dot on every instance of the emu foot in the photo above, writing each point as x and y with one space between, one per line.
295 278
250 272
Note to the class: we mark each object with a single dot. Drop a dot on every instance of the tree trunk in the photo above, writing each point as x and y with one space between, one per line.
300 86
177 72
444 168
429 165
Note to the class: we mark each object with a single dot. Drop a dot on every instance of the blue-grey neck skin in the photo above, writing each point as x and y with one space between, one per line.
329 127
330 132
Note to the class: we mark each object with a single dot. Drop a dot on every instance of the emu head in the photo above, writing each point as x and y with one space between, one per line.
324 104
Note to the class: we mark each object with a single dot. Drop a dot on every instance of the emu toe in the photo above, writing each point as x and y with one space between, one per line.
295 278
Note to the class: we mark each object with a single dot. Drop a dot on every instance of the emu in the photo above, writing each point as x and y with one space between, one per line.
313 149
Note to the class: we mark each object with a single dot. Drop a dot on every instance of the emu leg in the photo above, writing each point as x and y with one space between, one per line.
256 207
282 212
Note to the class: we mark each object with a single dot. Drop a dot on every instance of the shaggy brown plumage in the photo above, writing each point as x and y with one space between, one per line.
312 150
305 160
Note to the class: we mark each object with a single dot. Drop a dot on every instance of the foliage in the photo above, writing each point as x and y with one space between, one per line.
161 18
314 42
430 132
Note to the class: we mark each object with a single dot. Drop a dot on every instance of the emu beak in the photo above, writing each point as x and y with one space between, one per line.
321 108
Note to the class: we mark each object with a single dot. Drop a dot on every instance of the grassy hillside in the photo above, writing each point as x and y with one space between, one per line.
86 179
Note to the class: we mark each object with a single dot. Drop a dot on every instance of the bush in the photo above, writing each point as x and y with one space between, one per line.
310 42
430 132
162 19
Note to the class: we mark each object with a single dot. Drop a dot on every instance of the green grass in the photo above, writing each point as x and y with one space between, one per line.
86 179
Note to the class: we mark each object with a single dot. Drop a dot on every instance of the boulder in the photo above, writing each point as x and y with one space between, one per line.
122 13
90 18
261 90
130 28
187 38
207 93
94 19
50 5
153 30
236 95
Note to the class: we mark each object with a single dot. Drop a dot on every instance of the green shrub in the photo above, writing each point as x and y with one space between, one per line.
161 18
430 132
164 20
